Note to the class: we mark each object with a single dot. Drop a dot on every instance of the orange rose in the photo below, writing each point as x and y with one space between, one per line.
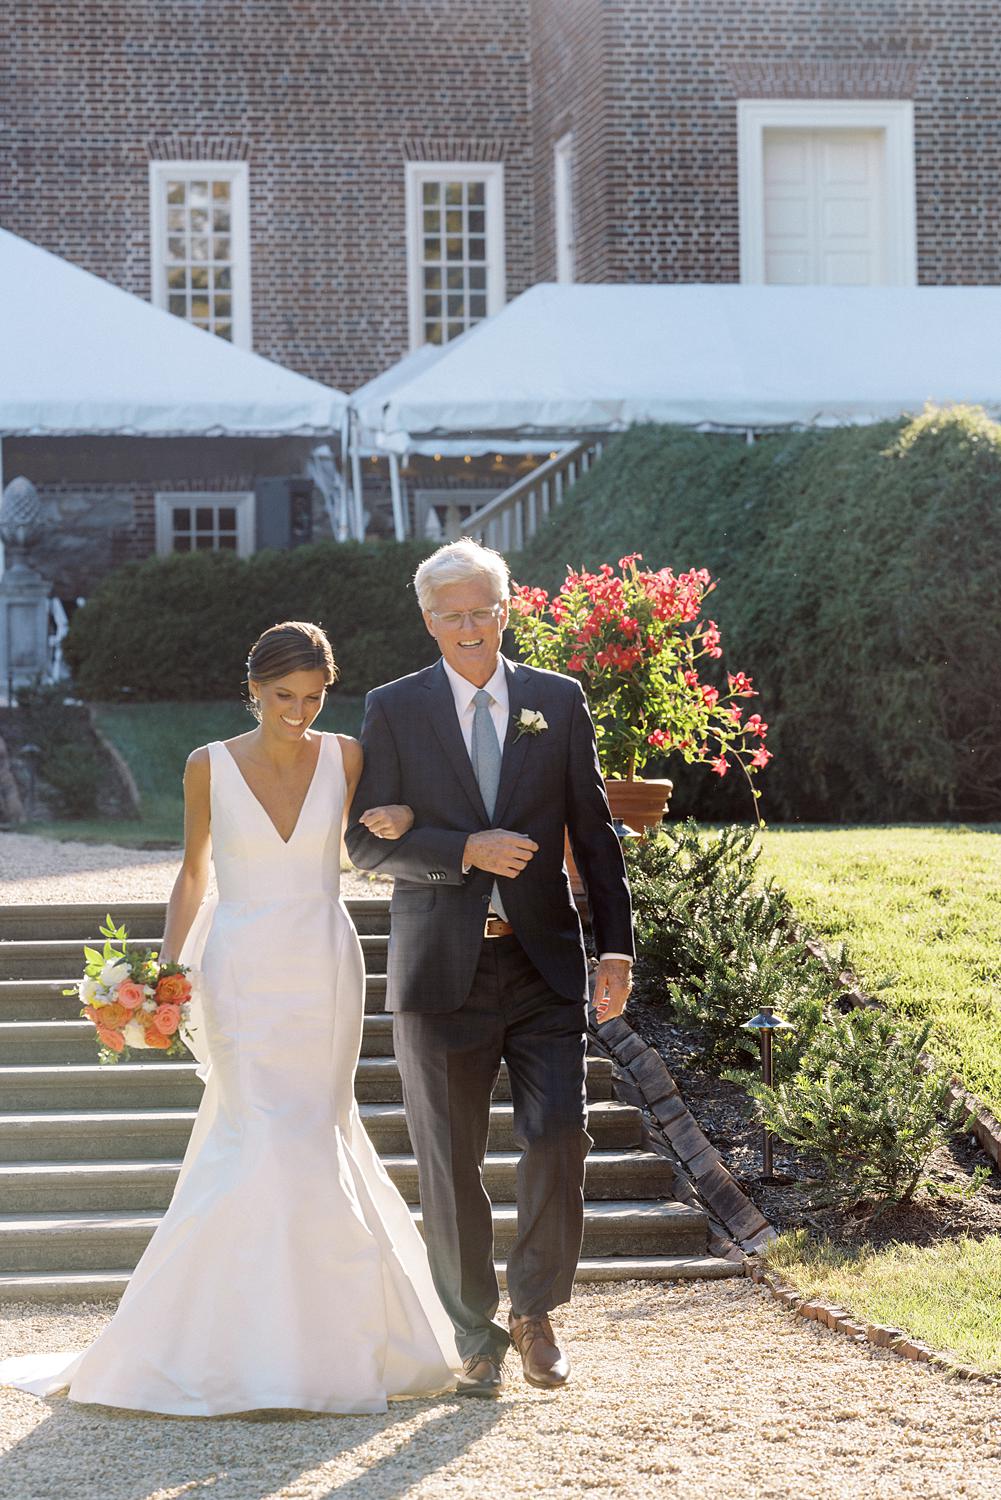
114 1014
167 1018
92 1014
156 1038
130 994
172 989
111 1038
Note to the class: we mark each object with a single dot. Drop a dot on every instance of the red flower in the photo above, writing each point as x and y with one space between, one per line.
691 679
575 664
627 562
658 738
720 765
761 757
756 725
710 696
740 685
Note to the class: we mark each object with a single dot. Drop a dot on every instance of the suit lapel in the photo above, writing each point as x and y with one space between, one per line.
445 724
515 745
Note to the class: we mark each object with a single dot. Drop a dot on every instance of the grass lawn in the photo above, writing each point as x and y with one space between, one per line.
156 739
921 906
948 1295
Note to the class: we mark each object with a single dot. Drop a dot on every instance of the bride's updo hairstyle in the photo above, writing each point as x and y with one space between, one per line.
292 646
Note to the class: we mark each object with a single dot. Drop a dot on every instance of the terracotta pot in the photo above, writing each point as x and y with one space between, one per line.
639 805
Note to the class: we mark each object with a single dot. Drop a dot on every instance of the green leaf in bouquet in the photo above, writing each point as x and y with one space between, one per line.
93 957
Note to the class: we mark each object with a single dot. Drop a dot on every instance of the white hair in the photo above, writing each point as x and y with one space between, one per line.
460 562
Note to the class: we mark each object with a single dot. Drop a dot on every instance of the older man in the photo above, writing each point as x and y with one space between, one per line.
486 960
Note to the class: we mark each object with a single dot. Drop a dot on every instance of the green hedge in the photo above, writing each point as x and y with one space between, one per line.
180 627
860 579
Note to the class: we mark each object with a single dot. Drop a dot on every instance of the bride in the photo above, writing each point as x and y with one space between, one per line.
287 1271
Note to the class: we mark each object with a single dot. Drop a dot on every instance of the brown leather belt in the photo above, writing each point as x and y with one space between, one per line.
497 927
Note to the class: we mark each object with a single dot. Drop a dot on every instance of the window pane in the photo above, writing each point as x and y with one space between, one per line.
224 306
432 333
453 192
432 219
177 248
199 219
220 189
432 278
454 329
182 518
431 192
182 543
203 518
177 303
175 192
224 331
455 277
222 278
456 306
477 249
176 218
220 219
477 221
199 307
203 543
199 247
432 307
227 544
477 193
227 518
198 194
453 221
432 249
221 248
177 278
478 278
477 306
199 277
453 248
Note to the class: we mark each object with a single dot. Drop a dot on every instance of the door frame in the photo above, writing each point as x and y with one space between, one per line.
893 118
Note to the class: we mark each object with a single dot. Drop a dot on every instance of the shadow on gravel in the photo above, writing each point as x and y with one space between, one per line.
100 1453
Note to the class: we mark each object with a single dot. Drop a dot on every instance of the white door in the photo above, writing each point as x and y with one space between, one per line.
823 207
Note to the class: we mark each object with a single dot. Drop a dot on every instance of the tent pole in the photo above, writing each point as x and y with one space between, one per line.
399 525
356 494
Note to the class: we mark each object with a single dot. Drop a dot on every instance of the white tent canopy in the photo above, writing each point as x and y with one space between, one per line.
79 356
576 359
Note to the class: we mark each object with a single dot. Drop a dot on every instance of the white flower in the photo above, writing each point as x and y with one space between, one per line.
148 1005
113 973
530 721
89 990
134 1035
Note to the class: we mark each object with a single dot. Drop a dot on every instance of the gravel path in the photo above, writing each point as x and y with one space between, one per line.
34 869
704 1389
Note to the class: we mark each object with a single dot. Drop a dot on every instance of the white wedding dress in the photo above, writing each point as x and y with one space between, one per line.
287 1271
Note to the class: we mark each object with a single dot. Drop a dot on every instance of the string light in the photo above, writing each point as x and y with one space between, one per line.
437 458
467 459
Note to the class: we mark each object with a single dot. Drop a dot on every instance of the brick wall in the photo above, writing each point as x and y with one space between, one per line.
325 99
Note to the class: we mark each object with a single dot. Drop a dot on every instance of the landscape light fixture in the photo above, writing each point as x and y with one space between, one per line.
764 1023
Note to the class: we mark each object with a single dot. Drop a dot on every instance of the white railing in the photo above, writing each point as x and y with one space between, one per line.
509 520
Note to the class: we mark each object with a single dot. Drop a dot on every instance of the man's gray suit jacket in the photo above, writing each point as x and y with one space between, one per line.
415 754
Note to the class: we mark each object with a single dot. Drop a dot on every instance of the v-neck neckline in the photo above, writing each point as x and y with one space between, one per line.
253 795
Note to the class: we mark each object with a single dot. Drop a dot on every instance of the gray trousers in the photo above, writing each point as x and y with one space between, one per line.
449 1063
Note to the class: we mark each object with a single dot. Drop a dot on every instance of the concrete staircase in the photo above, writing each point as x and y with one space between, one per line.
89 1154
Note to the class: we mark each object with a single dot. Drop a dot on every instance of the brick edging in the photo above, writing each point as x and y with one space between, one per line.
880 1335
986 1127
646 1075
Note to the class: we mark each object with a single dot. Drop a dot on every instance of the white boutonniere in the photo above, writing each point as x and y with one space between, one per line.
530 721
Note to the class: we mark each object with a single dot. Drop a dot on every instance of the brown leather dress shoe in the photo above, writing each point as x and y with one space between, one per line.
542 1360
482 1375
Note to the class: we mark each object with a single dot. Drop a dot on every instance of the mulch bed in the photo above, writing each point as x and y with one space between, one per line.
725 1114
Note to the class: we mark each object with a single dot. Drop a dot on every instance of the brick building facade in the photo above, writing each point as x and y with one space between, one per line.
361 144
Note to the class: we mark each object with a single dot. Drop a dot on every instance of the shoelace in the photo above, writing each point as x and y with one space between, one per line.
532 1329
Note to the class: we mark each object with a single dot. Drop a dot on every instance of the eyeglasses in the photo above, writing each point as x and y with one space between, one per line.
453 618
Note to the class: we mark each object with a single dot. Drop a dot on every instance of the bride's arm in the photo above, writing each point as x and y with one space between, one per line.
390 821
193 876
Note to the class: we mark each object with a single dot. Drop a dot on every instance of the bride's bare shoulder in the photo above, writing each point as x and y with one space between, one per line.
353 755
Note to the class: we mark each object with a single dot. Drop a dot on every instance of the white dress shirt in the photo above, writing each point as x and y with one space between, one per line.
463 692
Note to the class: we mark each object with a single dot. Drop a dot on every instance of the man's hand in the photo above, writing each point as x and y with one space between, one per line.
499 852
389 822
612 984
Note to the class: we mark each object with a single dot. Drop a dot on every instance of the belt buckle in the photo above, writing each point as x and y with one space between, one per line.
492 917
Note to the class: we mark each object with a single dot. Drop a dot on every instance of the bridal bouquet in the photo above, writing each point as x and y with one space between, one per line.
134 1002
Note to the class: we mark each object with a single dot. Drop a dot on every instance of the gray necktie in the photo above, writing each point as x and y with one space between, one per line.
486 759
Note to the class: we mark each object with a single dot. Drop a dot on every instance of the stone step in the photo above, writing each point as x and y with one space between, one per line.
81 1240
143 920
97 1285
50 958
43 999
172 1085
158 1134
65 1186
45 1043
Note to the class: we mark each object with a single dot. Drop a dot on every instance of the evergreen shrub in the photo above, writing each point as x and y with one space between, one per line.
859 575
863 1104
180 627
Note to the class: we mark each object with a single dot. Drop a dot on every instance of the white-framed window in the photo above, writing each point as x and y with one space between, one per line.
205 521
563 206
200 244
827 192
455 247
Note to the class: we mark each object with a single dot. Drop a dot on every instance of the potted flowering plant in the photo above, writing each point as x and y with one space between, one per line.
636 641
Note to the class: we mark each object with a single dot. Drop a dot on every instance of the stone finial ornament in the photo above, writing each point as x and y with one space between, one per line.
20 517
